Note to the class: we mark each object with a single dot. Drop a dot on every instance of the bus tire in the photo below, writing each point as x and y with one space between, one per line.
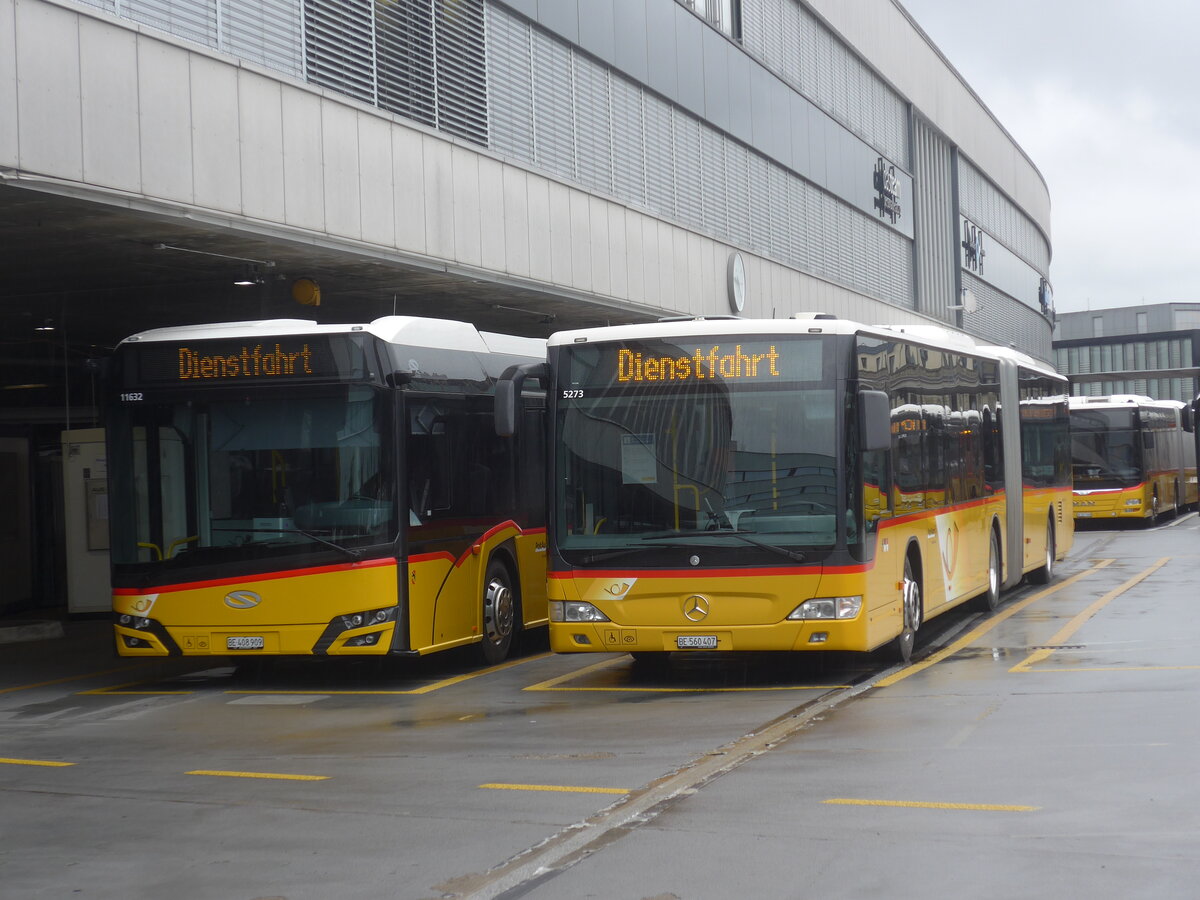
990 599
912 609
1045 572
499 607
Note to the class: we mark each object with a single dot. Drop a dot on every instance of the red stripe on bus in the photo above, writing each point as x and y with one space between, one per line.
269 576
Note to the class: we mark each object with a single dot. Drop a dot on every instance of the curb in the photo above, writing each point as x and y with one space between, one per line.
12 632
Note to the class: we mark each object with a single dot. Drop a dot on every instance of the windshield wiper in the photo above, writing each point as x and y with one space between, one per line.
794 555
353 554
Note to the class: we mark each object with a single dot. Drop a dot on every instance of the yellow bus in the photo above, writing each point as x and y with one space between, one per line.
289 488
804 484
1132 457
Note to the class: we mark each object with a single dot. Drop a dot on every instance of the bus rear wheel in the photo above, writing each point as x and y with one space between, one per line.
912 607
990 599
499 613
1045 572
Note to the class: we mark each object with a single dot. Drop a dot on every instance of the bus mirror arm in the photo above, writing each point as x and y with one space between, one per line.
509 388
874 421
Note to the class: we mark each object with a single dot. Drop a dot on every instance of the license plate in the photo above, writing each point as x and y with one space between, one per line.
244 643
696 642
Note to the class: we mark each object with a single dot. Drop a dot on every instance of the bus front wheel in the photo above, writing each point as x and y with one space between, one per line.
499 613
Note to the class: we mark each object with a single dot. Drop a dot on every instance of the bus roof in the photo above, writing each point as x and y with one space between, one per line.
1115 401
417 331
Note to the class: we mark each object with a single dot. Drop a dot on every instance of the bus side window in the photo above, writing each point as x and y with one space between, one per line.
428 455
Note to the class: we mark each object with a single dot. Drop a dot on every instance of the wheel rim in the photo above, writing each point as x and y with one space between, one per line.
911 612
1049 551
993 573
498 611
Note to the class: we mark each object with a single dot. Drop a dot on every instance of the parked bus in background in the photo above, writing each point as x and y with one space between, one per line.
288 488
801 484
1132 457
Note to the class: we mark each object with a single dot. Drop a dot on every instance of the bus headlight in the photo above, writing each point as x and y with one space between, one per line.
575 611
1133 502
368 618
827 608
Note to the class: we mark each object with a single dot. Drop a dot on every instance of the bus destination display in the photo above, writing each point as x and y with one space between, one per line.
298 358
680 363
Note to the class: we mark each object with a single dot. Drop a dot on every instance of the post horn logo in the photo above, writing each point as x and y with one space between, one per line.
242 599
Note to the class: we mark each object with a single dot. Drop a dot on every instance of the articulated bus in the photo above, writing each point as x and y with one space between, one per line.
801 484
288 488
1133 458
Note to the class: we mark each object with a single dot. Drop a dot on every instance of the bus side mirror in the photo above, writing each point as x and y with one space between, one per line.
874 421
508 391
1188 418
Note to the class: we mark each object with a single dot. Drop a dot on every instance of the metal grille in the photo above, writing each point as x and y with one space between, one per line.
992 211
789 40
937 256
183 18
1004 322
339 46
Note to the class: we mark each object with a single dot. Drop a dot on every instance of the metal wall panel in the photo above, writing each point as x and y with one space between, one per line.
303 191
164 98
48 56
216 161
108 102
260 126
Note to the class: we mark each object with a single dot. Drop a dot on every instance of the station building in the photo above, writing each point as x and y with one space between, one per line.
1148 349
521 164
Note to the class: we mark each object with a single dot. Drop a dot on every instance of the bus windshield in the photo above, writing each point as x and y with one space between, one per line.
1105 449
744 462
245 475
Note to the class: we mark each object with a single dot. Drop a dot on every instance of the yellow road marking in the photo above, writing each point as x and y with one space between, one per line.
269 775
914 804
974 634
33 762
1076 623
554 684
558 788
26 687
116 691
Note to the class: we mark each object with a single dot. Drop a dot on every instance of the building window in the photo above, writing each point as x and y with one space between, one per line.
723 15
1097 326
1143 322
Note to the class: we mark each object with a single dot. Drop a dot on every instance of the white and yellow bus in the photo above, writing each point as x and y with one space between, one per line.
1132 457
801 484
288 488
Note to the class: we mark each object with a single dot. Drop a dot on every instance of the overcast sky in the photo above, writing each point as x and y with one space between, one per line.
1104 97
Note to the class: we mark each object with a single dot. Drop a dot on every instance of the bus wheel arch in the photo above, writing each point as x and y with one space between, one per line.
500 607
912 604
